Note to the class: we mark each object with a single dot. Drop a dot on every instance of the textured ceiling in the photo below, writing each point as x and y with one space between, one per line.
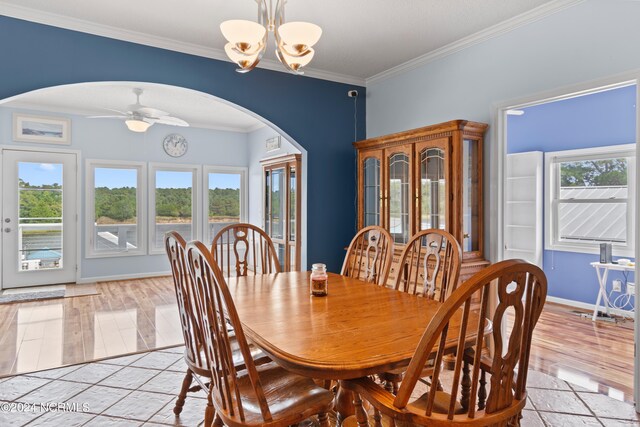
361 38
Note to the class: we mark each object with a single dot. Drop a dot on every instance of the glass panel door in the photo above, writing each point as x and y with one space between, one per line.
39 218
399 194
432 189
470 189
371 182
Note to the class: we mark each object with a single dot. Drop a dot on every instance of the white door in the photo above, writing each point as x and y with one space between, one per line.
38 218
523 207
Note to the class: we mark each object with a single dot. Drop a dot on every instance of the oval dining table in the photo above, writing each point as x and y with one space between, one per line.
358 329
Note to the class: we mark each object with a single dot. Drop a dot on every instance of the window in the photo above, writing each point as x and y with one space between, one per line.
173 203
115 208
225 198
590 199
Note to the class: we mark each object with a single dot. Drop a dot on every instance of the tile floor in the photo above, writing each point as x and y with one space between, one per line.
141 390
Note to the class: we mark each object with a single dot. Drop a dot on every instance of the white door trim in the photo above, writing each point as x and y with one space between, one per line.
78 155
498 158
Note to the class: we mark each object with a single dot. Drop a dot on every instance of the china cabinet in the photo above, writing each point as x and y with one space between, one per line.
281 204
424 178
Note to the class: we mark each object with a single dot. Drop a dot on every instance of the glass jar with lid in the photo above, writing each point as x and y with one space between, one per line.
319 280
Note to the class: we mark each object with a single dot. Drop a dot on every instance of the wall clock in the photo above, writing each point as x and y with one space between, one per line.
175 145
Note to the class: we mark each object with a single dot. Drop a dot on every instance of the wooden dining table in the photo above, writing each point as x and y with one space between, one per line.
358 329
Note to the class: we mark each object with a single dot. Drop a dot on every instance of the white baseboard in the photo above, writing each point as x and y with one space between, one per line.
587 306
123 277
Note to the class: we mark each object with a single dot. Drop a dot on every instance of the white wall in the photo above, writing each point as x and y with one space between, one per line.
110 139
592 40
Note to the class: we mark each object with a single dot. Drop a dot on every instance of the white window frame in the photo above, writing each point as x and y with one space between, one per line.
244 194
196 198
552 162
141 199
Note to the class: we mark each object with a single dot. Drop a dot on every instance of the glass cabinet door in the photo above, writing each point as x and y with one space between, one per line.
433 189
399 196
371 187
470 196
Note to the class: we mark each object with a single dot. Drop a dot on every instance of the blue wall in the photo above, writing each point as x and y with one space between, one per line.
315 113
597 120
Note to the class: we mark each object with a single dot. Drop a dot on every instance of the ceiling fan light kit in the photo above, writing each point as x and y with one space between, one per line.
139 118
135 125
247 40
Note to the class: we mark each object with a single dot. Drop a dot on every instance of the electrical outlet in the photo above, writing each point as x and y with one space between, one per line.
617 285
631 288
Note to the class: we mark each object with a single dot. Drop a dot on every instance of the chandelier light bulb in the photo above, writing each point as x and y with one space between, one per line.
243 61
245 35
295 62
299 35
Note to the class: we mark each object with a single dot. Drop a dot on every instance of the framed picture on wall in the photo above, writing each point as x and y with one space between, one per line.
41 129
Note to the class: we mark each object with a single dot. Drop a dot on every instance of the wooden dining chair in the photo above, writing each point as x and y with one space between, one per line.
265 395
198 369
242 249
522 289
369 255
429 267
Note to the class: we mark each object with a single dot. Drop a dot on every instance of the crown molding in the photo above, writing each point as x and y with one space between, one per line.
473 39
74 24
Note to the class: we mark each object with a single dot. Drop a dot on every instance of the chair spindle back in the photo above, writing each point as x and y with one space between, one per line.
175 247
242 249
369 255
430 265
521 287
216 310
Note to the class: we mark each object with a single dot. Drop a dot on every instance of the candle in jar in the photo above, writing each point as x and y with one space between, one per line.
319 280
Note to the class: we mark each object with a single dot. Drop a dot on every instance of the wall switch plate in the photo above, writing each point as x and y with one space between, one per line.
617 285
631 288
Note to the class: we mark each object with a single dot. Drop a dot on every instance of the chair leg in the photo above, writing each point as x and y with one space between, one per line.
186 383
377 418
323 418
361 415
210 413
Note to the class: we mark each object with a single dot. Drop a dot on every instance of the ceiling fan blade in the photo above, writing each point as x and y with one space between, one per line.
171 121
151 112
117 111
107 117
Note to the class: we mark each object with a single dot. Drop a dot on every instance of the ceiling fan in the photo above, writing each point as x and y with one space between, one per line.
139 118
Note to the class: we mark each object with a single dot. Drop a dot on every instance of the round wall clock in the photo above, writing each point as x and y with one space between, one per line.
175 145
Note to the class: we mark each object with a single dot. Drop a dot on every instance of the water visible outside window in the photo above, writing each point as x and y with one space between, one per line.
116 209
40 222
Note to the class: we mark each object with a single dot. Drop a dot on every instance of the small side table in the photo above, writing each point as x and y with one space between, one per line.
602 270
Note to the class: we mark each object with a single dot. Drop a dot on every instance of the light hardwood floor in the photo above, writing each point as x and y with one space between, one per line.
141 315
125 317
597 356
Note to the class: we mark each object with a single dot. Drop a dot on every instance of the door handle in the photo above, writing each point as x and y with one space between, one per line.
7 220
7 230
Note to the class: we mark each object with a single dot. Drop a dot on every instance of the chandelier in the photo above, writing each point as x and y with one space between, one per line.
247 40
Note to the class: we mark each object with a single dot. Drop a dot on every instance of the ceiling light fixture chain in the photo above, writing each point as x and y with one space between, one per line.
247 40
